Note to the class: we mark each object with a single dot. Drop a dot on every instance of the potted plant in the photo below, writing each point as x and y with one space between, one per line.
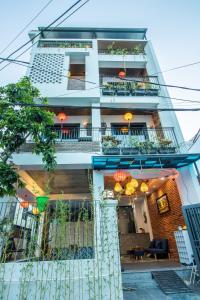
147 147
132 88
108 90
110 48
132 147
140 89
165 146
138 49
110 145
122 89
150 90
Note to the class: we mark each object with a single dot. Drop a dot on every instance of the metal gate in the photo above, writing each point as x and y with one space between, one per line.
192 217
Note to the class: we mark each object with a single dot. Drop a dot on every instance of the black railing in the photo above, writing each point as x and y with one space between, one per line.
131 86
123 137
63 231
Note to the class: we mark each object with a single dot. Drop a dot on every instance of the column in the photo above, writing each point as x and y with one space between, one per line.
96 122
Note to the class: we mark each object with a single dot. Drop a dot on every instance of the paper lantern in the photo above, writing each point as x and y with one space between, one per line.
130 188
120 176
35 211
24 204
118 188
62 116
128 116
122 74
128 192
144 187
42 202
134 183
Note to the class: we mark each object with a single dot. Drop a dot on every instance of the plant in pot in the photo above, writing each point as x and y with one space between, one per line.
122 89
165 146
110 48
108 89
121 51
110 145
132 146
138 49
140 89
148 147
151 90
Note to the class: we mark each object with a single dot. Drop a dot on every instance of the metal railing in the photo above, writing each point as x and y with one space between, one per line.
121 52
64 44
76 83
64 231
123 136
132 86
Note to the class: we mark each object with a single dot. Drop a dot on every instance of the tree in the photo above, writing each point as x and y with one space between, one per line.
19 119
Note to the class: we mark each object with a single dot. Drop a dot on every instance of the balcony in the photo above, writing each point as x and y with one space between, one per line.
64 44
117 140
133 86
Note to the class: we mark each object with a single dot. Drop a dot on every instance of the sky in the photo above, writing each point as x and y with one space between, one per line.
173 28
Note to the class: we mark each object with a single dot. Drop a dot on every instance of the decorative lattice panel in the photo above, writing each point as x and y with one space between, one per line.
47 68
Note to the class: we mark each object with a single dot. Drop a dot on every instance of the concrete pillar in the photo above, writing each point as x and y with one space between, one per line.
96 122
110 248
188 185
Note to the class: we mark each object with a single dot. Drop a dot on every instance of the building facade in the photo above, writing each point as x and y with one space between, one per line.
113 124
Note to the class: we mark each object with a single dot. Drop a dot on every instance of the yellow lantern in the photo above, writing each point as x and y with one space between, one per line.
128 116
118 188
130 188
144 187
35 211
134 183
128 192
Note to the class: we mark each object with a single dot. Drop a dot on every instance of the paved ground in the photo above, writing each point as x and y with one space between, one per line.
151 265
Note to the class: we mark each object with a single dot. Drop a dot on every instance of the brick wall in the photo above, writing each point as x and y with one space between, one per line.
163 226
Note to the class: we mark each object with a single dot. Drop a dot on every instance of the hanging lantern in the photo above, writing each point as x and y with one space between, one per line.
118 188
130 188
122 74
128 116
62 116
35 211
128 192
42 202
134 183
144 187
24 204
120 176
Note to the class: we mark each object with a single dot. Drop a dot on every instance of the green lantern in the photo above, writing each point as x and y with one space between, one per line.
42 202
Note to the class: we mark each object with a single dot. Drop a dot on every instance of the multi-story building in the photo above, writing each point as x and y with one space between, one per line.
114 122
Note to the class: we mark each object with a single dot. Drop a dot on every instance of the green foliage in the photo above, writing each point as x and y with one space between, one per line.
17 123
110 141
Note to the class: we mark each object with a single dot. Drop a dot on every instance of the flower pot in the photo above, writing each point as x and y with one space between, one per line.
129 151
123 92
111 151
42 202
167 150
140 92
108 92
152 92
149 151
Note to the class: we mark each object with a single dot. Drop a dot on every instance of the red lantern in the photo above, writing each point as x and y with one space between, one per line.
122 74
65 130
24 204
62 116
120 176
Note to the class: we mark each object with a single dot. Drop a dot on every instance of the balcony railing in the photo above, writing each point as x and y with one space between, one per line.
64 231
123 139
132 86
64 44
76 83
121 52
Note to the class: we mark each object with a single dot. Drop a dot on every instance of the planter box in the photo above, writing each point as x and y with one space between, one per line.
152 92
140 92
149 151
129 151
111 151
167 150
108 92
123 92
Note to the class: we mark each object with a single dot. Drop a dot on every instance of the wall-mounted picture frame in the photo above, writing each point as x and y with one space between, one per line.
163 204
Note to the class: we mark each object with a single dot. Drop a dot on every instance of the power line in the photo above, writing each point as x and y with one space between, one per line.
26 26
176 68
42 30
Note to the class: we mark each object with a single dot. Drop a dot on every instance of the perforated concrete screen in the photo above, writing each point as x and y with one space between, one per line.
47 68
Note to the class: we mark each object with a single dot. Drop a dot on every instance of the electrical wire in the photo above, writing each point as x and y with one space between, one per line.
42 30
26 26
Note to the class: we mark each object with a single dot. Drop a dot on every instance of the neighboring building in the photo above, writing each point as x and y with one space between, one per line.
108 94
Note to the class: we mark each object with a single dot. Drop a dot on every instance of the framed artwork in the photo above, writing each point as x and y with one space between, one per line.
163 204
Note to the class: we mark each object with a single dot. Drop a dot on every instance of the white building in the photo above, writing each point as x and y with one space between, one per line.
112 112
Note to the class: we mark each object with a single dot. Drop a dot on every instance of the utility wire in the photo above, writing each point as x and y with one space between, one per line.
42 30
176 68
26 64
26 26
